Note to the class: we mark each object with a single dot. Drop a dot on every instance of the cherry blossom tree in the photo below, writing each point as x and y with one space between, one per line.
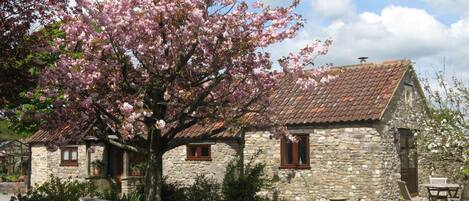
151 69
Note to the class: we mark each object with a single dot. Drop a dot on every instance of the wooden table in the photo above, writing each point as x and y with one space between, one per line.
450 189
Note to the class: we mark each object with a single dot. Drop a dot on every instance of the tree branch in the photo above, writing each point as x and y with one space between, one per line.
125 146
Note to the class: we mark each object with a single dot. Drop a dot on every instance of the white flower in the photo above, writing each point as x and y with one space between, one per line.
160 124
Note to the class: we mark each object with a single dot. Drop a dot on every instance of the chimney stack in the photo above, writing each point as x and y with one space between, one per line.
363 60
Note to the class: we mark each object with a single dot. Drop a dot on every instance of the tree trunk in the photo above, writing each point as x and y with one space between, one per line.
154 169
154 177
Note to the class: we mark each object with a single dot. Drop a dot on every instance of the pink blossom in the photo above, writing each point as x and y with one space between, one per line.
126 108
163 63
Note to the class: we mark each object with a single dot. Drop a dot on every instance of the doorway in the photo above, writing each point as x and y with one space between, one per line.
408 157
116 167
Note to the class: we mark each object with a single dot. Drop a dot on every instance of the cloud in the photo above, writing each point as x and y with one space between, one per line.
460 29
450 5
333 8
394 33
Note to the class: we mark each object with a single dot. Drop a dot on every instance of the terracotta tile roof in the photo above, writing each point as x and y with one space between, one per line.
57 134
360 93
197 130
44 135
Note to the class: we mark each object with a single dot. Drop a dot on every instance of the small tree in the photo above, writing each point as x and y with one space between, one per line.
20 46
155 68
24 55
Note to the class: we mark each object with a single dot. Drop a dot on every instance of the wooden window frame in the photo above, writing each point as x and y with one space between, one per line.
295 164
69 162
199 156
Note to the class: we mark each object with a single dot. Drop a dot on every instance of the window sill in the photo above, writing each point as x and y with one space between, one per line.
294 167
198 159
69 164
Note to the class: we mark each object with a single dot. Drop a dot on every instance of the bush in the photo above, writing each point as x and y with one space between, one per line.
109 193
173 191
135 196
239 184
203 189
58 190
243 184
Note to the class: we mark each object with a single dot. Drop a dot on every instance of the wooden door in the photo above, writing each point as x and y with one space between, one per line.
116 166
408 156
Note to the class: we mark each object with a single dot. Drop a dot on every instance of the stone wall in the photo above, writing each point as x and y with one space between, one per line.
177 169
46 162
345 162
357 161
402 114
39 165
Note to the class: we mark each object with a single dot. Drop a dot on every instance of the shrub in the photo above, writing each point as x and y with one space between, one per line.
239 184
243 184
58 190
110 193
135 196
173 191
203 189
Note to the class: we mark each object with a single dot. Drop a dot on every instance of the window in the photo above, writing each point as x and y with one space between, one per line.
199 152
69 156
295 155
408 95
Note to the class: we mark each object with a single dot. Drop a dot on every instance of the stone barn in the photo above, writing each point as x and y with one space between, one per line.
355 139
